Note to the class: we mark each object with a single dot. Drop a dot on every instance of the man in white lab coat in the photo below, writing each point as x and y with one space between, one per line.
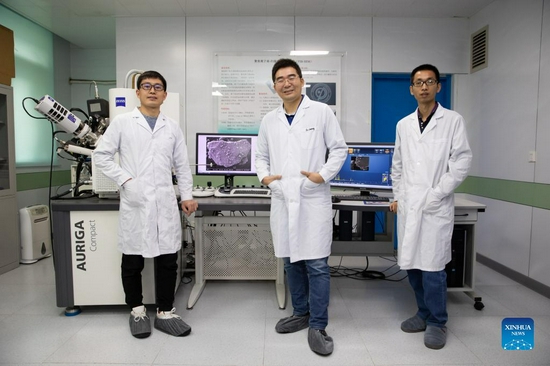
432 157
149 145
290 158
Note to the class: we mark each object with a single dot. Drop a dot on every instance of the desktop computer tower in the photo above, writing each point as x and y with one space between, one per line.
366 221
345 225
455 268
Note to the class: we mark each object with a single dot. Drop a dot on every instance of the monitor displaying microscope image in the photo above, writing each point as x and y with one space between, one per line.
226 155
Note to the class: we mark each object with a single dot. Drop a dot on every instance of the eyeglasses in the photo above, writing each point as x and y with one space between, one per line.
290 78
429 82
148 86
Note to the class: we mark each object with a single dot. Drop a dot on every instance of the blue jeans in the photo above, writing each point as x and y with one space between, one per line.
430 290
309 284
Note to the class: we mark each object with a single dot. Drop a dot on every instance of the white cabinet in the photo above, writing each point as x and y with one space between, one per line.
9 228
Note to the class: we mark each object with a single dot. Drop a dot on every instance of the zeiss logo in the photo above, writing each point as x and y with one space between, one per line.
518 334
120 102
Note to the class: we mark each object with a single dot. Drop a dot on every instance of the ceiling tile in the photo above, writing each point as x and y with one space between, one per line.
252 7
91 23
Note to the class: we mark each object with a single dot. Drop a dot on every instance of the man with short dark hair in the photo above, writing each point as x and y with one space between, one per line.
431 158
290 159
149 145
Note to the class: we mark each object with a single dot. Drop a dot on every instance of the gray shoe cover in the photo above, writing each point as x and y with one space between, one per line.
292 324
174 326
140 325
413 325
435 337
320 342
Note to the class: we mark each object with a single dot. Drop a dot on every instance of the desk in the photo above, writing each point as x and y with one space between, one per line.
466 212
234 247
383 243
209 226
465 216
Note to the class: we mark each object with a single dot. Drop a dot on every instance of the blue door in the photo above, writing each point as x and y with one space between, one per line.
392 100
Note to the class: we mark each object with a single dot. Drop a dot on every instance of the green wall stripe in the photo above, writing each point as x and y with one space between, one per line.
522 193
28 181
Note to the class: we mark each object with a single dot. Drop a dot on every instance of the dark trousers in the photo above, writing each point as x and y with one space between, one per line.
166 267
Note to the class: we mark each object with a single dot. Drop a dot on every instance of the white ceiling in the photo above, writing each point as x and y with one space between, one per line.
90 24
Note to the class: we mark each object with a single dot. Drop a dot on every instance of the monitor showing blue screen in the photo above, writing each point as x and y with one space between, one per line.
367 167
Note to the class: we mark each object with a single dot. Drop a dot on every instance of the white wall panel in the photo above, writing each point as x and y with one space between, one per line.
151 44
504 95
542 167
461 102
539 269
401 44
352 37
503 233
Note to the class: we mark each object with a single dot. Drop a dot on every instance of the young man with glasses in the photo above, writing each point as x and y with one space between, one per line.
431 158
149 145
290 158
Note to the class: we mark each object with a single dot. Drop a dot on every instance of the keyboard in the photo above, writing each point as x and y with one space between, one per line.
358 197
250 192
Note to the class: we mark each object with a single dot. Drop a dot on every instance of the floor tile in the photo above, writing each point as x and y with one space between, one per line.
233 324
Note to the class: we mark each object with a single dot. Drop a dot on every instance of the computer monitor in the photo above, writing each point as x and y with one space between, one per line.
227 155
367 167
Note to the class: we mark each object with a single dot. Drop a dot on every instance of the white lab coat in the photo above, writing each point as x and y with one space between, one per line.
301 211
426 169
149 221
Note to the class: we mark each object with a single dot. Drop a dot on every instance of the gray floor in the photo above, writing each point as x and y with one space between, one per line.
233 324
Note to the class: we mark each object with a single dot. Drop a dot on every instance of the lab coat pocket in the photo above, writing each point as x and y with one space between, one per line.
276 190
166 145
439 149
432 204
310 188
130 193
309 138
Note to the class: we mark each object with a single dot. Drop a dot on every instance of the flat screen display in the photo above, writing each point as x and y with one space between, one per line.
225 154
367 167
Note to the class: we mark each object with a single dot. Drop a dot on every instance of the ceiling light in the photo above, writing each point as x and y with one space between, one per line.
308 53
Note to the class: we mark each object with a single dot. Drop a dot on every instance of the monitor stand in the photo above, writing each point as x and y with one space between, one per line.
228 183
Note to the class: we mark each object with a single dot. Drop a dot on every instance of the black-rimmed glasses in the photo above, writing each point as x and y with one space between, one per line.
148 86
429 82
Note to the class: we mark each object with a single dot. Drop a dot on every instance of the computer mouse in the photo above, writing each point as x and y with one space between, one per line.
335 199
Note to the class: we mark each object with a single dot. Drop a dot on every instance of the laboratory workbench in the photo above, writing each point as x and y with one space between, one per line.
227 247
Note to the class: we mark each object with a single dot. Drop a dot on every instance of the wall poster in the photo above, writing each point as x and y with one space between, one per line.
244 90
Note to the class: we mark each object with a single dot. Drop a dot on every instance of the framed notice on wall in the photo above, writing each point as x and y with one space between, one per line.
244 91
